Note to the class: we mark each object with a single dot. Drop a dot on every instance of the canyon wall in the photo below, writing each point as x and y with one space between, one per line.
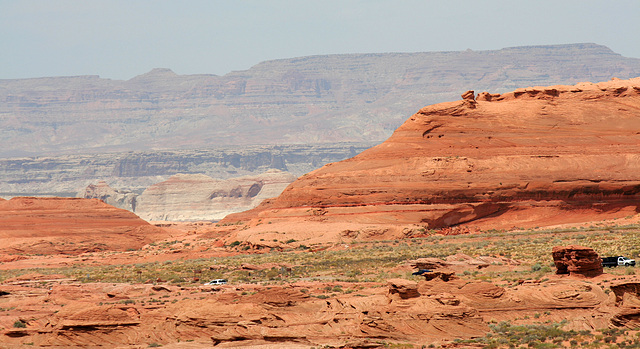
66 175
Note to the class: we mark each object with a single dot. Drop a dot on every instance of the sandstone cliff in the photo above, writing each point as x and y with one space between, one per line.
534 156
60 134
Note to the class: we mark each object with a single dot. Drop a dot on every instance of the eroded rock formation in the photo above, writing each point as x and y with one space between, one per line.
63 314
532 157
403 288
577 260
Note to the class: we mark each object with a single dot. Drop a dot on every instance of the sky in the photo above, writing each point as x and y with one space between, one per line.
119 39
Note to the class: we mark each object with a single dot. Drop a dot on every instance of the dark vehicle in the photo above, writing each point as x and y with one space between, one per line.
617 261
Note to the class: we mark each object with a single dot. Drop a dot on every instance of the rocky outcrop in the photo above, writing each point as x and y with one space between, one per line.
118 198
460 260
577 260
532 157
627 300
70 226
243 316
627 293
67 315
326 98
191 197
403 288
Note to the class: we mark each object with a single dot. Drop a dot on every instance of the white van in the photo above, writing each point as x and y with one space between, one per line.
216 282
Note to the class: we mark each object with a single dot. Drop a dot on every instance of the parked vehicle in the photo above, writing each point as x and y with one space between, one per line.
617 261
216 282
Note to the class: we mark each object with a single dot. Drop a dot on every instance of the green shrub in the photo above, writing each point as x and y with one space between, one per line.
272 274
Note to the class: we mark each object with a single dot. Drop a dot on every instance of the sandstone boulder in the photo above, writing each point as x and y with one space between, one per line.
460 261
444 275
486 96
428 263
403 288
577 260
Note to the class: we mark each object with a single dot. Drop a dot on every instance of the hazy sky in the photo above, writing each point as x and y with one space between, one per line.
120 39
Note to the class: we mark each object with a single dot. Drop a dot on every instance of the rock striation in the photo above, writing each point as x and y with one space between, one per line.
64 315
192 197
532 157
66 175
577 260
70 226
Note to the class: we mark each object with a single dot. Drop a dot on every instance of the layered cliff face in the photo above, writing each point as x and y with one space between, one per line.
332 98
68 175
534 156
189 197
70 226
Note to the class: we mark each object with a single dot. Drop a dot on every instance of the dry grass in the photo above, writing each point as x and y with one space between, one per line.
372 261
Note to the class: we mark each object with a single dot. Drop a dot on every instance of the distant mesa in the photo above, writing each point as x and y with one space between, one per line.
536 156
159 72
156 74
193 197
302 100
199 197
